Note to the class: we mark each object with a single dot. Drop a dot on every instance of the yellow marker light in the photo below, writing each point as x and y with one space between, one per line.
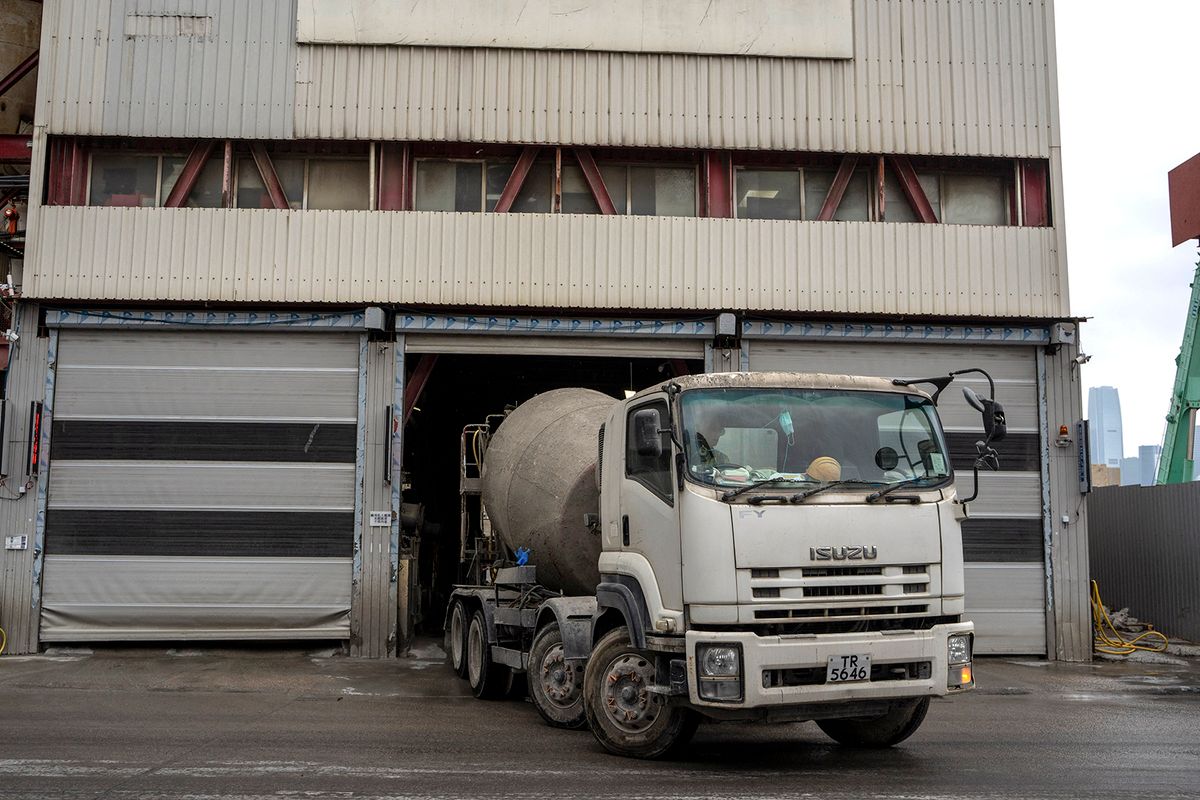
965 678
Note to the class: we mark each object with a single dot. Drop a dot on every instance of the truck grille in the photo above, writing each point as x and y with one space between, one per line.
864 592
845 611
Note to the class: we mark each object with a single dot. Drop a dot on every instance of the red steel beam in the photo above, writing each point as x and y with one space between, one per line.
1035 193
718 184
393 177
19 71
77 184
190 173
516 180
227 175
913 191
16 148
416 384
269 177
595 182
837 190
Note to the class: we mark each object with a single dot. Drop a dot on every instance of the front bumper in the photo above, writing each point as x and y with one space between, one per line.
773 655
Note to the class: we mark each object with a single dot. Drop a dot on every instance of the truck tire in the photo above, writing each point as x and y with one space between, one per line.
625 716
488 679
555 684
894 727
456 638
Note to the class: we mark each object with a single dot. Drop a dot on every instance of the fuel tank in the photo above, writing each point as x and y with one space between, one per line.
539 480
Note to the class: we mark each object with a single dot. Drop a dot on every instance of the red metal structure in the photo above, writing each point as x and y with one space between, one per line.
1183 186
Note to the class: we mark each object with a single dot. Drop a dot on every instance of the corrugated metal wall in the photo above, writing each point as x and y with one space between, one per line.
545 261
1145 553
26 382
187 68
968 77
1067 511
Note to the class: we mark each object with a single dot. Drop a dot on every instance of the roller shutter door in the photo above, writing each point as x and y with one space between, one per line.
201 485
1002 541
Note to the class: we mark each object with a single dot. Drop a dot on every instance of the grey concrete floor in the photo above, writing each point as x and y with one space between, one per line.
237 724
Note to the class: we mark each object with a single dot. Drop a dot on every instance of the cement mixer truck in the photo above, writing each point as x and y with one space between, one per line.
741 546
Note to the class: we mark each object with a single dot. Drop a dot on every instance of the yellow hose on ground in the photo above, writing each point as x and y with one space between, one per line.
3 641
1109 640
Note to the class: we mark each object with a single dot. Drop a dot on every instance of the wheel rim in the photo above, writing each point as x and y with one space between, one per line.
456 637
628 702
475 647
559 679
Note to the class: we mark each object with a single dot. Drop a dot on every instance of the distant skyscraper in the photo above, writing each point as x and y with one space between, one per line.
1148 463
1104 419
1131 471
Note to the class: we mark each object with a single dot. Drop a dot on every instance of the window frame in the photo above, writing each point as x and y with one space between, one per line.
752 168
668 450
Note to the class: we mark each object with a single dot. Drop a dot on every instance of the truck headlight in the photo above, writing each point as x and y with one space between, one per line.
719 661
958 649
720 672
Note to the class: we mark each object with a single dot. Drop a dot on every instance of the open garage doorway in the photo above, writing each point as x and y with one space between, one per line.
465 389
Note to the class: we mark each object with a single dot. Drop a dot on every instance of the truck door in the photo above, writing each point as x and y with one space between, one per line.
649 522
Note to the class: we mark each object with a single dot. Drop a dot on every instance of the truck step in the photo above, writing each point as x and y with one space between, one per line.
509 657
517 617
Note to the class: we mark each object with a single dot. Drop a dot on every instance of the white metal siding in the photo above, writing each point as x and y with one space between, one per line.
962 77
108 69
544 261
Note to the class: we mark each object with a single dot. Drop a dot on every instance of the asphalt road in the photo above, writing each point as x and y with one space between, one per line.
248 724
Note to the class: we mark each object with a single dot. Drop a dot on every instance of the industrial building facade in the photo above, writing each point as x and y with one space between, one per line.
281 253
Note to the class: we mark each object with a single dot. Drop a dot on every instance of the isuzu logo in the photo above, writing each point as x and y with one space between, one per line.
848 553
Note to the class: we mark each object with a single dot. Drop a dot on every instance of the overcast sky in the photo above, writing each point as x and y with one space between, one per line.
1130 113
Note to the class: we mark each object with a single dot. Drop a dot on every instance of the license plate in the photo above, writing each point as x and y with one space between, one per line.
844 669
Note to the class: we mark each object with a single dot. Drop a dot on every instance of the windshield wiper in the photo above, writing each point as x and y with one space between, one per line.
800 497
911 482
732 493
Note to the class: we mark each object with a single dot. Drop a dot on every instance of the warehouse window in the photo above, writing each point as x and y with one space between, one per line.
338 183
767 194
252 192
857 202
312 183
206 193
477 185
123 180
974 200
448 185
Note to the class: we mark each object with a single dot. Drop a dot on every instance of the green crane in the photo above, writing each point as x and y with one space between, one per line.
1176 464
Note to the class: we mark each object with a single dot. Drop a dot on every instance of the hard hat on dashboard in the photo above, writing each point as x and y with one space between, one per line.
824 468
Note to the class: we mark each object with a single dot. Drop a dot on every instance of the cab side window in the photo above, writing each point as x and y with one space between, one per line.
653 472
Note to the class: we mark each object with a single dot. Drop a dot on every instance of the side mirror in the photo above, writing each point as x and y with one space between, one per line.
995 426
647 436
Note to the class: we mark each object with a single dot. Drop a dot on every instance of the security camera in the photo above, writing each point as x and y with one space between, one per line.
1082 359
11 336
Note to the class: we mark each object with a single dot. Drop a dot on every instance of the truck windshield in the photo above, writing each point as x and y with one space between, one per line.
734 437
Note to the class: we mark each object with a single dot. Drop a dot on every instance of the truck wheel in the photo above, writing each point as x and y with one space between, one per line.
488 680
892 728
456 639
625 716
555 684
